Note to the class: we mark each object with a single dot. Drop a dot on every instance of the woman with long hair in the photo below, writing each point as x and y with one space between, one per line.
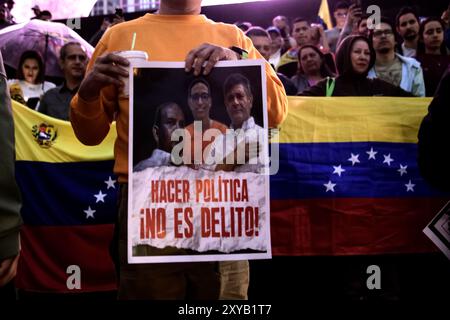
29 85
432 53
354 58
311 68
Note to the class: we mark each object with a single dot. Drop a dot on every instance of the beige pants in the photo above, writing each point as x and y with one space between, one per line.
234 280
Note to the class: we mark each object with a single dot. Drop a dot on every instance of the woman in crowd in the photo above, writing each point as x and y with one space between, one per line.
311 68
354 58
29 85
432 53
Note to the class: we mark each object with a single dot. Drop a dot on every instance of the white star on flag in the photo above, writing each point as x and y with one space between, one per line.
100 196
89 213
371 154
111 183
409 186
388 159
338 170
354 159
330 186
402 170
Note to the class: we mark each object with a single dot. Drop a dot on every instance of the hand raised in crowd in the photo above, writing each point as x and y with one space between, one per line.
207 55
319 28
446 17
107 70
354 15
318 32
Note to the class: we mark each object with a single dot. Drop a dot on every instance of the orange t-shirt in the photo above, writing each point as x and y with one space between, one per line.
164 38
213 125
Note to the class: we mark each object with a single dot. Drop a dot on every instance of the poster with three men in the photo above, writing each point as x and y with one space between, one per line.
199 164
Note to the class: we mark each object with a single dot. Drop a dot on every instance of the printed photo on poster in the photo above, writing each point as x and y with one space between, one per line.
198 163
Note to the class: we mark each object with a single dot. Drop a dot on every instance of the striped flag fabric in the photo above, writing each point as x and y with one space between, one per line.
348 182
69 199
324 14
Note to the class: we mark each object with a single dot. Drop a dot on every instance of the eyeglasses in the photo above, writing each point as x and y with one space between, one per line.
198 96
379 33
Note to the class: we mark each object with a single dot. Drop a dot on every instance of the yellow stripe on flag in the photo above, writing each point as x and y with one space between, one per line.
353 119
324 14
61 145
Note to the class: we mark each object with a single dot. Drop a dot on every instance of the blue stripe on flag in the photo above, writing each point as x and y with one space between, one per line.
308 170
72 193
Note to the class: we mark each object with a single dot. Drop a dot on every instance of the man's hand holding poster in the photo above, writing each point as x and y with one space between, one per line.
198 163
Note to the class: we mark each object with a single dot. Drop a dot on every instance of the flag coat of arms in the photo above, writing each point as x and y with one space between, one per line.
69 199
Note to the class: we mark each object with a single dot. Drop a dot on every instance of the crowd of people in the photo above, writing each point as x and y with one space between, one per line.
403 57
410 52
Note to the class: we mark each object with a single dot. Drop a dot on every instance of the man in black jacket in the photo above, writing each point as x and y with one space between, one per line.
434 138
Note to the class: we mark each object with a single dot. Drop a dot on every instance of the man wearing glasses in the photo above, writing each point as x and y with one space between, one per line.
200 101
73 61
340 15
391 67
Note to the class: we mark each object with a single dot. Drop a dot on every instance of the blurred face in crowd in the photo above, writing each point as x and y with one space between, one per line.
383 39
262 44
360 56
408 27
310 61
75 62
238 102
433 35
172 118
362 28
200 101
301 33
340 15
281 23
276 42
30 69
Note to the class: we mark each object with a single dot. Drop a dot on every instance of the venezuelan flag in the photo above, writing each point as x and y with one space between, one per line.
348 181
324 13
69 206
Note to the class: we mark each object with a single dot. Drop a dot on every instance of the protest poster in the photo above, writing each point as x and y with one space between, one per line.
198 163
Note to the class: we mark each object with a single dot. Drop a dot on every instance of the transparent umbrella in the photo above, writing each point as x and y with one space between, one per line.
45 37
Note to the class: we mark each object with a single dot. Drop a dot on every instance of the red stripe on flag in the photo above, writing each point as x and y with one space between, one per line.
47 252
352 226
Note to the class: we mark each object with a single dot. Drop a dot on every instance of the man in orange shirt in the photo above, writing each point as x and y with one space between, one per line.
178 32
199 101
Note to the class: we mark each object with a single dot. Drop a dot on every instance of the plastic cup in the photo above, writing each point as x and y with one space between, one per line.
131 56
